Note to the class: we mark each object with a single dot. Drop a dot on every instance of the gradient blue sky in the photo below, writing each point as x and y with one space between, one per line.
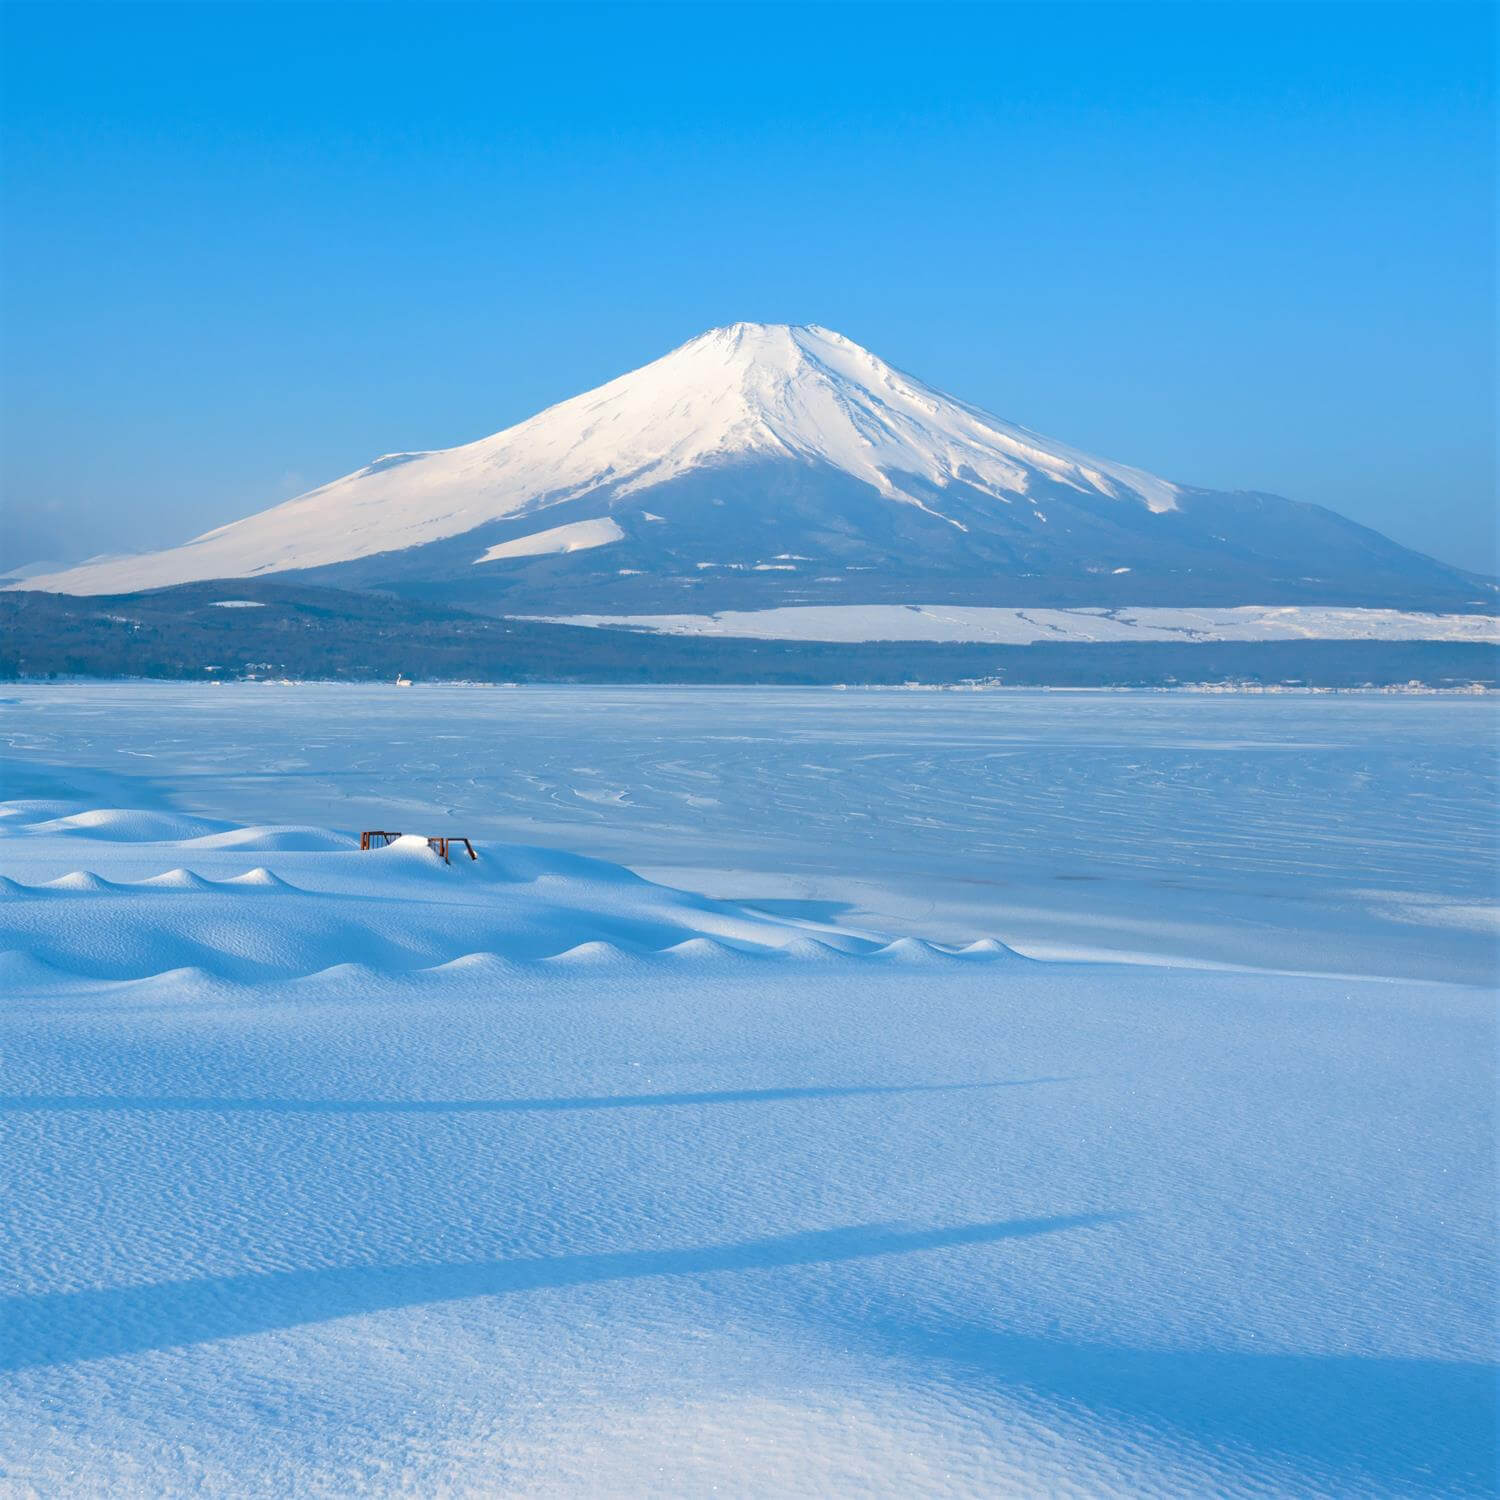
248 248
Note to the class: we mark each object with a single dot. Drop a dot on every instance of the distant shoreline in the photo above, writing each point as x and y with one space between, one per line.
1182 689
320 634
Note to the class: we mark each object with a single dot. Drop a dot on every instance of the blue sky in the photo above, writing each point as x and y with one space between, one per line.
247 249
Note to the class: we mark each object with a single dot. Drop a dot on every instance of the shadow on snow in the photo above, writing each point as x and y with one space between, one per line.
84 1103
58 1327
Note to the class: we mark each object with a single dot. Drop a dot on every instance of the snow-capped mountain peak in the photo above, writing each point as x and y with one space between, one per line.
764 465
809 393
744 392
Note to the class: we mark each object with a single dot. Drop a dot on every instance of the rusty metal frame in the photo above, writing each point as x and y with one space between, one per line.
441 843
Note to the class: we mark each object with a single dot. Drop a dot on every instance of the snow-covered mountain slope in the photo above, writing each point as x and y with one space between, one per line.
763 464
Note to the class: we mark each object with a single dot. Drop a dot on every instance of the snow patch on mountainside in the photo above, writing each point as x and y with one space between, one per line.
577 536
748 392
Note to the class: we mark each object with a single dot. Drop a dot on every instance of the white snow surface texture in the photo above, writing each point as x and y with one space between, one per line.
1018 627
749 390
328 1172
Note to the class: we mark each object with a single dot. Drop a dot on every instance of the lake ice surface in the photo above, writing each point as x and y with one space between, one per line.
327 1172
1341 834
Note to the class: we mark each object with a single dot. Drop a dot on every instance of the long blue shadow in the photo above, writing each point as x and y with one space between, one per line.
64 1103
58 1327
1371 1424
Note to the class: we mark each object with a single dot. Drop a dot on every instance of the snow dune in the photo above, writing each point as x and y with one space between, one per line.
114 824
392 909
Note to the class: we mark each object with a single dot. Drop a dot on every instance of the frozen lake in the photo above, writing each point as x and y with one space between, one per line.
1336 834
327 1172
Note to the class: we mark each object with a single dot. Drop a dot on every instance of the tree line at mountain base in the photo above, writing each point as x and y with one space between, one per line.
186 633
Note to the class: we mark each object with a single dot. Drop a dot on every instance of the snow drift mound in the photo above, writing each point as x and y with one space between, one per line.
127 826
311 901
272 836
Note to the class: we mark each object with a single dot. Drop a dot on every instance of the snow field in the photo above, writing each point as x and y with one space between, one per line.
328 1172
1349 835
577 536
1023 627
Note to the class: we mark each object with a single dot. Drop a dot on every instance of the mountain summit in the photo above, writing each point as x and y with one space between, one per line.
768 464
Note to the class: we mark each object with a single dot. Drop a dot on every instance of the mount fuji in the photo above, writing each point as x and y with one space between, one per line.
766 465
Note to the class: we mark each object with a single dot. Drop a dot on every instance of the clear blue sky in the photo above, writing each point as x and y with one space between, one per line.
247 249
